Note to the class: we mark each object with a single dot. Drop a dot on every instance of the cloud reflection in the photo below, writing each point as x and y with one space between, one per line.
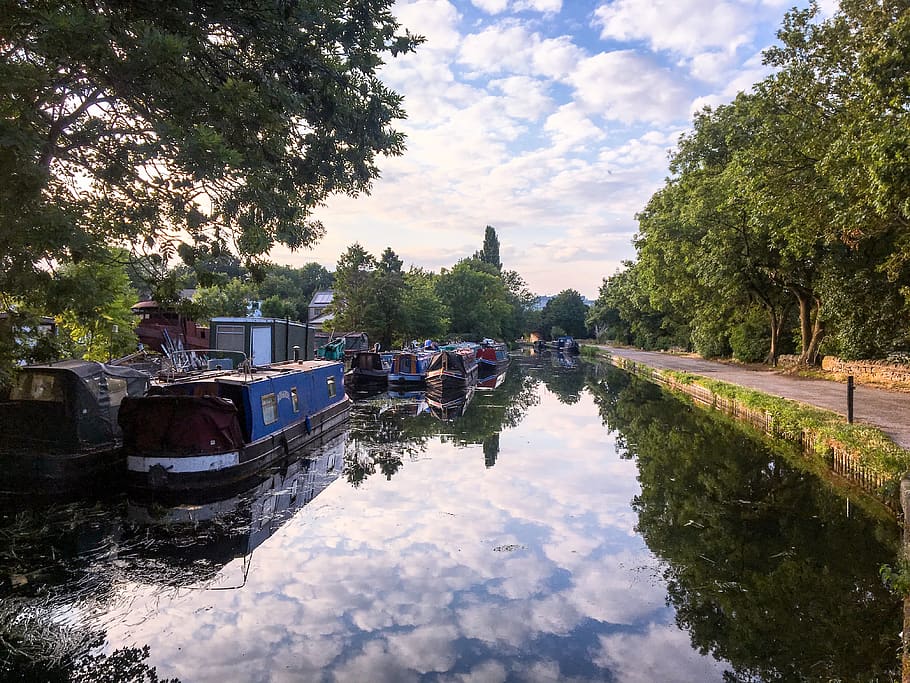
447 571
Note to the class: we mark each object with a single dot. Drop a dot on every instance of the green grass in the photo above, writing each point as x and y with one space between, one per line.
872 447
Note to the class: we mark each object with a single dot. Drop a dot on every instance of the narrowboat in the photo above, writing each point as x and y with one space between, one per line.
492 358
567 344
409 368
59 426
368 369
452 369
223 426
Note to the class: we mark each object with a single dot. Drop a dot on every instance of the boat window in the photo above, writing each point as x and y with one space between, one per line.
34 386
269 409
294 402
330 384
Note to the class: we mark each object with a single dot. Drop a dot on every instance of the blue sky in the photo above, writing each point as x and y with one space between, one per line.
550 120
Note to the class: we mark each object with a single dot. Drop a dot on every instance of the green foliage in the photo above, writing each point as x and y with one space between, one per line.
477 299
566 312
749 338
130 122
897 578
389 287
231 299
354 299
91 299
490 252
787 200
425 315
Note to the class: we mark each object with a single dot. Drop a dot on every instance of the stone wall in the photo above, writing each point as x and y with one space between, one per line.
868 370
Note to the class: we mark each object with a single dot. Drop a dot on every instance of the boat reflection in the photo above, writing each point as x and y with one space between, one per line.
448 406
491 382
192 539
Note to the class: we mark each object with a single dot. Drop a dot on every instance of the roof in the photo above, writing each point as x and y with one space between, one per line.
318 320
322 298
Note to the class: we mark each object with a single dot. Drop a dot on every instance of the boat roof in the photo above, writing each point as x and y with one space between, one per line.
84 368
240 377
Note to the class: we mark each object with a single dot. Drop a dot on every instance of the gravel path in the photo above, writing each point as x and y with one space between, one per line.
887 410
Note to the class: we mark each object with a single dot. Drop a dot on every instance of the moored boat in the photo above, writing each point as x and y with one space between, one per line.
59 426
452 369
409 367
492 358
368 369
220 427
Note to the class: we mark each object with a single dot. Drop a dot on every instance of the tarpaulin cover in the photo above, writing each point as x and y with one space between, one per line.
72 404
180 425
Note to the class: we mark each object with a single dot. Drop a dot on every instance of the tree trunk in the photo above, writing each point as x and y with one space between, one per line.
775 335
818 333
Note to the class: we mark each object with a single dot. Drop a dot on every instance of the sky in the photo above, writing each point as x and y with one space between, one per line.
551 120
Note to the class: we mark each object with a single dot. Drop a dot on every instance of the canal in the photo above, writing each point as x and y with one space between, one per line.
574 523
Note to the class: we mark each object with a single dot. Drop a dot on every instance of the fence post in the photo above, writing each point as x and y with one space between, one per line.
850 389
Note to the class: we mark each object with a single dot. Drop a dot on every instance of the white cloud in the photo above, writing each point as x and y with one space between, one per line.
683 26
629 87
569 127
491 6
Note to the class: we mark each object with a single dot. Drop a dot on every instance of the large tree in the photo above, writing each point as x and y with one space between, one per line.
490 251
566 311
388 288
353 302
129 121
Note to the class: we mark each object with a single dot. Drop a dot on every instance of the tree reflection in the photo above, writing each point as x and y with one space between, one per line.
385 433
763 567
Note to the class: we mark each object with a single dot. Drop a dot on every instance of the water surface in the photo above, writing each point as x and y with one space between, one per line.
572 524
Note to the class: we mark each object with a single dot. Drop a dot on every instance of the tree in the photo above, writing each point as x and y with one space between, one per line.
476 297
232 299
388 287
290 290
425 315
91 299
490 252
353 301
567 311
131 121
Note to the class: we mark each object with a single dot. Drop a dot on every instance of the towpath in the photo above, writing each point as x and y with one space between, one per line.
887 410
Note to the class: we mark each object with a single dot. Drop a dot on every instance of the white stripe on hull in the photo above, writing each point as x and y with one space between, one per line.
196 463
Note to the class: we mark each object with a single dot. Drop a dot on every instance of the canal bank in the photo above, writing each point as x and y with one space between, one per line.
876 470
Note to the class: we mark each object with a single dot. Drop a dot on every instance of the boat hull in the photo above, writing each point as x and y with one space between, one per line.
186 472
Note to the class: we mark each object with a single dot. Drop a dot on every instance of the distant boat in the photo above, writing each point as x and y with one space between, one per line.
567 344
409 368
492 358
452 369
368 369
222 426
59 425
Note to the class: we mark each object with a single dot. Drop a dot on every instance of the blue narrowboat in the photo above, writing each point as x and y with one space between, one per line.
410 368
221 427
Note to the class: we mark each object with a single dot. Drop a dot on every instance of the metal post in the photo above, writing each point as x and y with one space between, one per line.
296 352
850 390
